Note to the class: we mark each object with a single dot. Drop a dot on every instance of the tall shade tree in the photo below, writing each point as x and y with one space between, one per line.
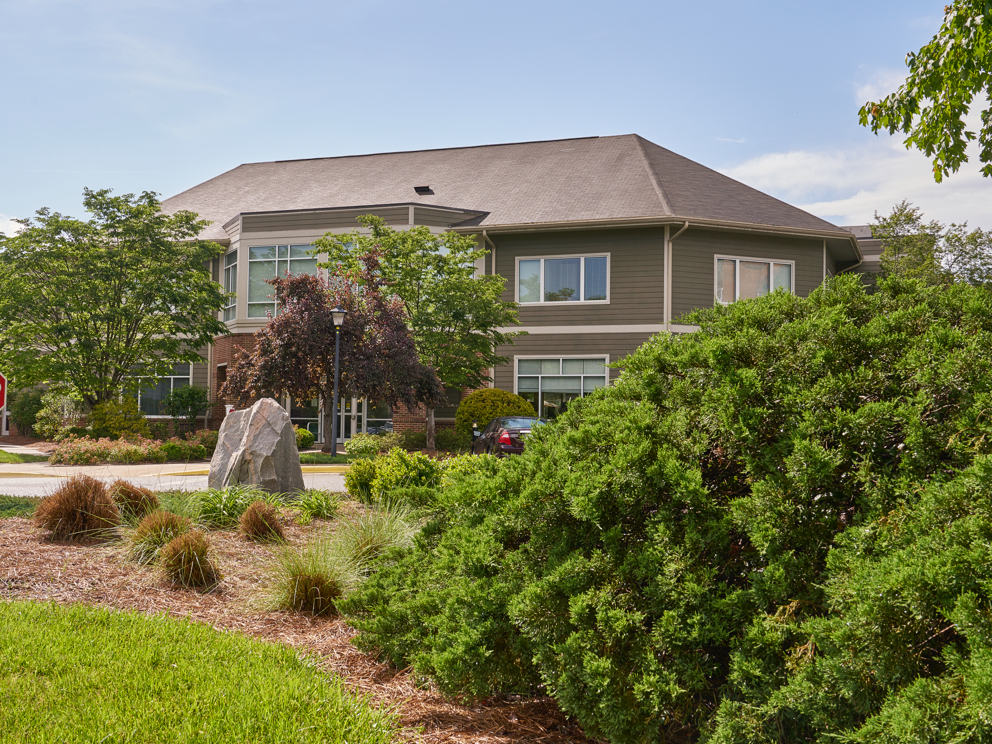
294 351
945 79
98 305
931 251
456 317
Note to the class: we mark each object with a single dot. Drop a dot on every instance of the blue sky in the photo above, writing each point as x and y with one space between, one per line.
164 95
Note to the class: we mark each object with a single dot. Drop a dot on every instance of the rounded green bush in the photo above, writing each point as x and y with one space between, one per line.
304 439
402 469
484 405
358 480
24 408
114 420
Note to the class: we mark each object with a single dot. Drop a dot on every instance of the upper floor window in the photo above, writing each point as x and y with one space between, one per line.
747 278
563 279
230 283
267 262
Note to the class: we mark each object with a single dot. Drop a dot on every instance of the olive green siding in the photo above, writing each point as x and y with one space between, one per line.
636 270
616 345
831 265
694 265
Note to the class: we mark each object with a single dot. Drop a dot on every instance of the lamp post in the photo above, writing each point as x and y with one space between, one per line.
337 315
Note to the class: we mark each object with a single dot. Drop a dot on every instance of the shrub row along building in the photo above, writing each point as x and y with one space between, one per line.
603 241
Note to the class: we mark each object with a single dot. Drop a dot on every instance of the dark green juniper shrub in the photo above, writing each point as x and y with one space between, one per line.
776 529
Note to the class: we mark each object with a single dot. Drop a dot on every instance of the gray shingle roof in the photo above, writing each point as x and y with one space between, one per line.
593 178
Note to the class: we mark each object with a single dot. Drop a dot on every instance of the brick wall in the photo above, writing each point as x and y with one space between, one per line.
225 349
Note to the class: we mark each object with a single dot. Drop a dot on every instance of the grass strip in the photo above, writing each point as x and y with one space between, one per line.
322 458
17 506
83 674
13 458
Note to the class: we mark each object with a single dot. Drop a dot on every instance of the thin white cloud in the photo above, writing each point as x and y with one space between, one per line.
847 187
8 226
878 84
729 139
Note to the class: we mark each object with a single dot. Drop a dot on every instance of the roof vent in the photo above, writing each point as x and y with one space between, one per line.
423 190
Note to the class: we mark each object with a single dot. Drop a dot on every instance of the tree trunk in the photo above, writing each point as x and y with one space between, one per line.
328 413
430 428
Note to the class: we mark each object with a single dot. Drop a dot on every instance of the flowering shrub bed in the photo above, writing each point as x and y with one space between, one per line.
86 451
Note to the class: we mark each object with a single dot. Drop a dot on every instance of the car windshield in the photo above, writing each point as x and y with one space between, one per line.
520 423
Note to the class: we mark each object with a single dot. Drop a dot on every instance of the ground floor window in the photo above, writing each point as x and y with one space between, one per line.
306 415
152 391
550 384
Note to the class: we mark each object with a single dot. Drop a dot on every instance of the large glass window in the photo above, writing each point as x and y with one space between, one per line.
152 391
551 384
266 262
745 278
231 283
566 279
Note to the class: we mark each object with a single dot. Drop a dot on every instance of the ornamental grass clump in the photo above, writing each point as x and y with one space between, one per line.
154 532
367 536
316 504
80 509
260 522
311 578
221 508
186 561
133 502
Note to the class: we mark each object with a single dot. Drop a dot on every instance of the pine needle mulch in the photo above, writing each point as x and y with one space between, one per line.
35 568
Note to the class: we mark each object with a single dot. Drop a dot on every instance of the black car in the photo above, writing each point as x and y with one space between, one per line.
505 436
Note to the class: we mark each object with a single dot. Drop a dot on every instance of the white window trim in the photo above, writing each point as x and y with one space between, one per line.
737 272
564 303
223 274
517 358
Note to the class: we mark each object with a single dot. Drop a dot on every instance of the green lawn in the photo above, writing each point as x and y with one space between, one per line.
17 506
14 458
320 458
82 674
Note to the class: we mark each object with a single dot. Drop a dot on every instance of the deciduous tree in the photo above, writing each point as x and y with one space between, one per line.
946 77
294 351
98 305
931 251
457 318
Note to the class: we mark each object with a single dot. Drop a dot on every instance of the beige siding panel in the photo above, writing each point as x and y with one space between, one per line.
320 221
831 265
694 268
616 345
637 268
199 372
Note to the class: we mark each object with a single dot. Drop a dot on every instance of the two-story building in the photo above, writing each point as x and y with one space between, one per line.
603 241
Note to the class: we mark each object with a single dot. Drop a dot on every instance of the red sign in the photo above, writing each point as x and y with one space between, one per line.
3 390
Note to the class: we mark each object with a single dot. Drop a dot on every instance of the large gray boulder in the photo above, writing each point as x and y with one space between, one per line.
257 446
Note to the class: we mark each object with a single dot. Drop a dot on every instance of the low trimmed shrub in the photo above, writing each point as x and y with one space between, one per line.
400 468
183 450
80 509
304 438
482 406
364 445
260 522
154 532
457 469
86 451
312 578
412 440
450 440
186 560
133 502
114 419
358 480
206 438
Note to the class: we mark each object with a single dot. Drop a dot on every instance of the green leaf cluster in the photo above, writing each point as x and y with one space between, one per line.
99 305
945 78
775 529
118 418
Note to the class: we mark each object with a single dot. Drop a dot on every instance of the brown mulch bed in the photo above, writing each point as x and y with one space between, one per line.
32 567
